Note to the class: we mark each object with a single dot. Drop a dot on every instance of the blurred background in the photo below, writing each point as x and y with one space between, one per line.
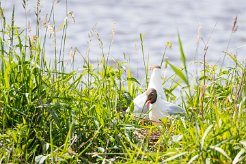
159 21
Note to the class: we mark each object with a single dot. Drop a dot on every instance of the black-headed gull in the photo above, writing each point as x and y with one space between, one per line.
155 80
140 108
151 104
158 107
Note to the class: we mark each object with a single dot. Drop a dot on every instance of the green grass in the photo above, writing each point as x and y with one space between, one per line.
49 115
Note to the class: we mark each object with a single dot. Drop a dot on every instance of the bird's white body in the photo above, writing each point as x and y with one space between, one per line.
156 82
140 109
158 109
162 108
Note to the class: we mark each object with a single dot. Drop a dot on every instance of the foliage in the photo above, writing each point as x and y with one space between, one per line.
49 115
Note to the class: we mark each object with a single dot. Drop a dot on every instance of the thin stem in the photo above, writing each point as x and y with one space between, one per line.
145 66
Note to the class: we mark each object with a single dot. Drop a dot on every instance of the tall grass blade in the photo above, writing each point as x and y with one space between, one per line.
205 135
193 159
237 158
179 73
175 156
144 61
183 58
220 150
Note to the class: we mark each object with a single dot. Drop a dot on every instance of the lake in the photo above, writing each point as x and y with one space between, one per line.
159 21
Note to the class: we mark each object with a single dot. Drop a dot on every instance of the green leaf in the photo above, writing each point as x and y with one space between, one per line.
174 86
237 158
183 58
182 52
235 60
220 150
179 73
133 80
175 156
205 134
54 116
193 159
66 143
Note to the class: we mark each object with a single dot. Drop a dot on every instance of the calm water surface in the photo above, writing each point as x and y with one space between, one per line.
158 20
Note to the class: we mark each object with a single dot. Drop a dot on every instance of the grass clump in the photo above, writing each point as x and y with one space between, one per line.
49 115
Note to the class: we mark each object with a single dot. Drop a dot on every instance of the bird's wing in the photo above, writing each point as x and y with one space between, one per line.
170 108
140 109
139 103
173 108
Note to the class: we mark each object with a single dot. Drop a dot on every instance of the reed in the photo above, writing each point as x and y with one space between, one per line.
50 115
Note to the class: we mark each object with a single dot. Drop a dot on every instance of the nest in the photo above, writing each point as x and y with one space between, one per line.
151 134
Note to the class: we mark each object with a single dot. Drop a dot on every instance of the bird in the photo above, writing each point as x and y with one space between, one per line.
151 104
155 79
140 108
158 107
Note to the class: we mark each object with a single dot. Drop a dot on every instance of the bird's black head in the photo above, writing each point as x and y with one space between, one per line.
151 96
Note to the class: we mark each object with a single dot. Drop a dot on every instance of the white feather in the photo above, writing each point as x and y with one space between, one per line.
139 106
162 108
156 81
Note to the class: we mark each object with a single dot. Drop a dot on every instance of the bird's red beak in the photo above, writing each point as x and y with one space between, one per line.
148 103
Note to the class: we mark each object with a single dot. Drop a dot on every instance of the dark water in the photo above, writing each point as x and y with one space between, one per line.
158 20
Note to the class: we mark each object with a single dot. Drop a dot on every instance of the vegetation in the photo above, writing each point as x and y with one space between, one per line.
50 115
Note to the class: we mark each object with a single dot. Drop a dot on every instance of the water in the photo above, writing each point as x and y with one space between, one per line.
158 20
